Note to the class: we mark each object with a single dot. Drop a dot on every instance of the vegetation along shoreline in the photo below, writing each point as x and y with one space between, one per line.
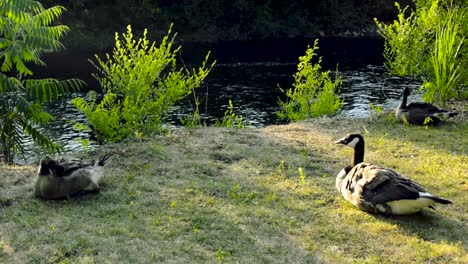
229 192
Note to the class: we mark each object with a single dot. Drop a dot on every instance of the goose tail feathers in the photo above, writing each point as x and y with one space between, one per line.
446 114
441 200
103 159
435 198
96 173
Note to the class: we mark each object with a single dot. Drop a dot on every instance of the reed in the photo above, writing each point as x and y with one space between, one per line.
445 62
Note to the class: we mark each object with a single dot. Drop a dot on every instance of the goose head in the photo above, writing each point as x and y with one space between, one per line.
351 140
355 141
49 166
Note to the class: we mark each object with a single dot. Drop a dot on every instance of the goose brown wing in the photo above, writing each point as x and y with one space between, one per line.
387 185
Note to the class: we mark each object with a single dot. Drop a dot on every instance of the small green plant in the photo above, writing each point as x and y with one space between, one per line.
282 169
375 108
191 120
427 121
236 193
230 119
84 142
141 82
313 93
221 255
301 175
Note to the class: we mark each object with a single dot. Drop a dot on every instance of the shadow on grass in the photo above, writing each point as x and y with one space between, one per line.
430 226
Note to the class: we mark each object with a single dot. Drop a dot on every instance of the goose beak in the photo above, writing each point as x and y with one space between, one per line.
340 141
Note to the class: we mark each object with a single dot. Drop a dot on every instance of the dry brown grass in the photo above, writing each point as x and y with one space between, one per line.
211 195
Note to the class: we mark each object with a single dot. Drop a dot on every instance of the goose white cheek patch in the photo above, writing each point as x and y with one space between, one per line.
353 142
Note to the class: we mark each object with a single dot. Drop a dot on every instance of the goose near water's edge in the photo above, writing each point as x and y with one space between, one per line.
380 190
420 113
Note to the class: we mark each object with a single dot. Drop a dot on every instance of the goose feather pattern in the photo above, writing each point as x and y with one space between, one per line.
380 190
57 179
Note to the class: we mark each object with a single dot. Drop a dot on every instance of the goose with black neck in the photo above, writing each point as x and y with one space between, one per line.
377 189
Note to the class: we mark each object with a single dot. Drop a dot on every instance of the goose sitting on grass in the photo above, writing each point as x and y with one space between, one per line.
57 179
420 113
380 190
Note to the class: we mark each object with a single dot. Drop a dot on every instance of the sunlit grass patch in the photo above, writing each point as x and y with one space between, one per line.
214 195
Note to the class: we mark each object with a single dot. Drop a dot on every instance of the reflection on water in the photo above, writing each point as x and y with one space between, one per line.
371 85
254 89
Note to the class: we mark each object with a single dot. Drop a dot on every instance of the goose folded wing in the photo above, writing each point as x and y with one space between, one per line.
390 186
419 116
70 166
360 176
424 107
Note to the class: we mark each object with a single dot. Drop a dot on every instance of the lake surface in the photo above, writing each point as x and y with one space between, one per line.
249 74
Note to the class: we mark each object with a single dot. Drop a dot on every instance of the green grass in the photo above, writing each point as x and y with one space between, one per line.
220 195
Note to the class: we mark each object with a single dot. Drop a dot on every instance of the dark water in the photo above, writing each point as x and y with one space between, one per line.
250 75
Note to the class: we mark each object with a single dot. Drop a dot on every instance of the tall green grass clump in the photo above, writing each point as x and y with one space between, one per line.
427 43
141 82
314 93
445 63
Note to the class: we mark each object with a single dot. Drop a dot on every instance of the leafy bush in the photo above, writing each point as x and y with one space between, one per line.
26 31
427 43
313 93
141 82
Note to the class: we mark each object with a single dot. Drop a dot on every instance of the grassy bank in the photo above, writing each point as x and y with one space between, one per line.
212 195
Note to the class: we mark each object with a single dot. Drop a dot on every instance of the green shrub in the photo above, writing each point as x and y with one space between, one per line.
426 43
313 93
141 82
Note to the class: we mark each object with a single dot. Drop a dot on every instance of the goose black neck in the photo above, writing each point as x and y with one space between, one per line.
44 169
404 100
358 153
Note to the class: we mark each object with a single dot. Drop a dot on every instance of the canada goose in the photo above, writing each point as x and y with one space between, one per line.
418 113
62 178
380 190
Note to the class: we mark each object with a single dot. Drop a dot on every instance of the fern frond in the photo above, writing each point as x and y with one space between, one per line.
4 43
80 104
17 10
9 84
46 90
46 38
47 16
20 66
41 139
7 63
